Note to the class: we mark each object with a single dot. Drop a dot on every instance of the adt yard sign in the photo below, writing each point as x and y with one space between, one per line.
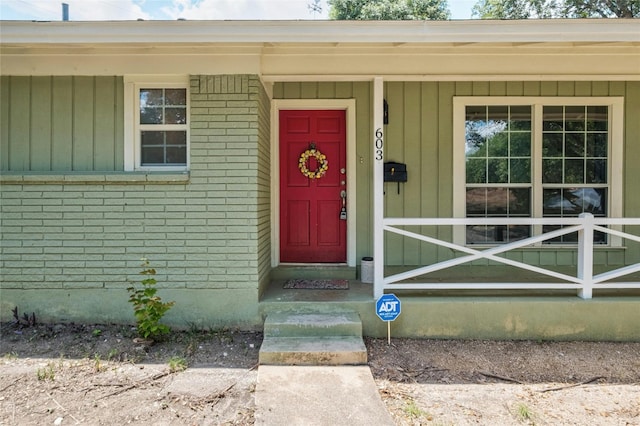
388 307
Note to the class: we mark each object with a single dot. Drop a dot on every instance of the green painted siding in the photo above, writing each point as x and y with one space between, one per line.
206 232
61 124
420 134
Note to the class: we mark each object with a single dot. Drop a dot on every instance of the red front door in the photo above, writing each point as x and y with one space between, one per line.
311 227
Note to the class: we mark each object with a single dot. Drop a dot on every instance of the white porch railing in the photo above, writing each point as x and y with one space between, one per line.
584 280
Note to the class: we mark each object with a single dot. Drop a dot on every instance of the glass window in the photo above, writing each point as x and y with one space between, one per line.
573 166
163 126
498 170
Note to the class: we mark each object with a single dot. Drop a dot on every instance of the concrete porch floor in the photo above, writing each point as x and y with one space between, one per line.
497 315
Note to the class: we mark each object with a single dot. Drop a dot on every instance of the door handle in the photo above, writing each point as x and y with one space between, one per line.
343 210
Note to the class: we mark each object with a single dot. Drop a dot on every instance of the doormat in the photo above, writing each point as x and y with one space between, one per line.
318 284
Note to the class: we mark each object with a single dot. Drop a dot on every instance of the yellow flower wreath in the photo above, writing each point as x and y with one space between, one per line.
323 164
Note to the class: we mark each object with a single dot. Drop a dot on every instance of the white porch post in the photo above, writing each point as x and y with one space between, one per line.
585 256
378 186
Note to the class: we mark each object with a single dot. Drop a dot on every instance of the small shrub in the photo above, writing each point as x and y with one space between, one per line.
147 307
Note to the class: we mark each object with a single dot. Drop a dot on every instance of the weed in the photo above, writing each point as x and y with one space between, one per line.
415 412
147 307
10 356
177 364
97 332
97 365
112 354
46 373
524 413
26 321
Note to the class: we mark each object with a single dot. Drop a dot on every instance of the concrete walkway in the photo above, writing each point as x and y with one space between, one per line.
310 395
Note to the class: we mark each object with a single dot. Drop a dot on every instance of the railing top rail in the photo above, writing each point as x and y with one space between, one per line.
509 221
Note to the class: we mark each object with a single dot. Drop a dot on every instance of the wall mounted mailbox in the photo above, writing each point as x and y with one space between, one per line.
395 172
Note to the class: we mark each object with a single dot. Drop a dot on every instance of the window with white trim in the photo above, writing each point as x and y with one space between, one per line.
158 124
536 157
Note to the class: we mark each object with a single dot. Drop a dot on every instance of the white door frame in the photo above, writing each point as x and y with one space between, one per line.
347 105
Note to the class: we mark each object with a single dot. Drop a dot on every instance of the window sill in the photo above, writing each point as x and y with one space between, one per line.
105 178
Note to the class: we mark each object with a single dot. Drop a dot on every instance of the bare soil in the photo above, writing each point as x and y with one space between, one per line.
98 375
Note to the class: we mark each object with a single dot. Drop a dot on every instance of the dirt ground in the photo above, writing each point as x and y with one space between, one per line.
98 375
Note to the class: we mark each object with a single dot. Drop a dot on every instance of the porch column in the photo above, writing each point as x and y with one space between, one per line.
378 186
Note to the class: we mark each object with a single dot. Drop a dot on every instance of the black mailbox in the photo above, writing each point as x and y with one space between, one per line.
395 172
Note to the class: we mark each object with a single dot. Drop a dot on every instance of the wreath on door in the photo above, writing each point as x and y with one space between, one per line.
323 164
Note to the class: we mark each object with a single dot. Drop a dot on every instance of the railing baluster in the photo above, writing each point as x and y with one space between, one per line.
585 255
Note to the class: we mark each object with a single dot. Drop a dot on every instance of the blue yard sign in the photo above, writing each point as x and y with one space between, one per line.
388 307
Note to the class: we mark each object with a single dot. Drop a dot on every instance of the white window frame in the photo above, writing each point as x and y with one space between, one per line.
615 151
132 149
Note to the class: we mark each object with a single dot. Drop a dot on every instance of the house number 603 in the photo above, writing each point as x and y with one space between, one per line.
379 144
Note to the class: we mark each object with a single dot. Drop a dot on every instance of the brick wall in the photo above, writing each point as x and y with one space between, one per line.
72 242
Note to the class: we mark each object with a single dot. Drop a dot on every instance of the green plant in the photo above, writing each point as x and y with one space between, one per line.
112 354
147 307
97 365
46 373
177 364
97 332
524 413
412 410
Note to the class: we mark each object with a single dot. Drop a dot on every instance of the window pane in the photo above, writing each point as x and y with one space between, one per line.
552 145
597 145
574 145
519 232
151 156
596 171
476 202
175 116
597 118
551 171
176 96
151 138
520 170
150 115
498 145
476 170
498 170
475 121
575 117
497 201
176 155
176 137
574 171
520 145
552 202
520 202
520 118
163 147
552 118
151 97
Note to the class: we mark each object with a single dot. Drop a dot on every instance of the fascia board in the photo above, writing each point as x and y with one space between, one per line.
177 32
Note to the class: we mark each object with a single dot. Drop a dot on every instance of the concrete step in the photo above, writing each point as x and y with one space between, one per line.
312 324
334 350
313 338
286 272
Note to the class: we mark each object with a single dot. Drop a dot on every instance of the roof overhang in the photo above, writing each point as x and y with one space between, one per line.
328 50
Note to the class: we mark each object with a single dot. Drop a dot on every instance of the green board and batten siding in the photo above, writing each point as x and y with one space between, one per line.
62 124
420 134
75 224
